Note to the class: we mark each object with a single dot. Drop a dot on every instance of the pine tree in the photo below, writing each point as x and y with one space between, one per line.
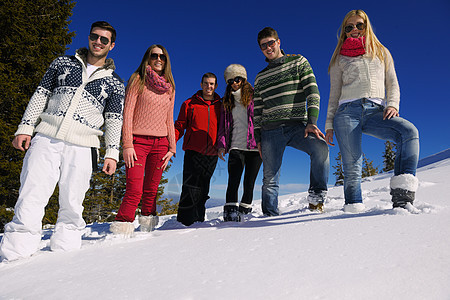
166 205
32 35
368 169
389 156
6 215
106 192
339 173
52 208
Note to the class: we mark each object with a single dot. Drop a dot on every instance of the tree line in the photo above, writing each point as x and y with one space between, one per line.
368 169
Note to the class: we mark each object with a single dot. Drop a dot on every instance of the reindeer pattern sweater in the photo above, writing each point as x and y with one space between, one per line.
71 106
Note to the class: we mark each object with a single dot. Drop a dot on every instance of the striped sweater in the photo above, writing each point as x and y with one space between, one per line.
285 91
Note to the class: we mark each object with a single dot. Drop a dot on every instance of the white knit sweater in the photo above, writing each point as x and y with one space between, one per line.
240 123
362 77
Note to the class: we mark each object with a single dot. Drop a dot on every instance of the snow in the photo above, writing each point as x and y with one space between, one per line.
382 253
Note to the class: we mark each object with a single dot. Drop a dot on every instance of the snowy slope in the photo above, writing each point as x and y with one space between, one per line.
380 254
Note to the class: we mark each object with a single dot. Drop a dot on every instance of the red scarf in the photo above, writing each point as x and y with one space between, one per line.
158 83
353 47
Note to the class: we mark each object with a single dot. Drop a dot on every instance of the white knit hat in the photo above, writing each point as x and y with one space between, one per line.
233 71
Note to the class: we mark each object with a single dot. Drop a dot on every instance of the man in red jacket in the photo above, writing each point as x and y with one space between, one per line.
199 117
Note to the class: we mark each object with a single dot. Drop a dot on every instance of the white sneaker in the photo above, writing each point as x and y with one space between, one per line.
354 208
124 228
148 223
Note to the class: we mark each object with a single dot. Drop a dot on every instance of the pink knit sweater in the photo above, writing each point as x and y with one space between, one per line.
148 114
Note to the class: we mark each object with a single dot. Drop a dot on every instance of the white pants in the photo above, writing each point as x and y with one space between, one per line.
47 162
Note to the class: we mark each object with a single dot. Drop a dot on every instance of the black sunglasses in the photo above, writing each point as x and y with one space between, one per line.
268 44
154 56
235 79
359 26
104 40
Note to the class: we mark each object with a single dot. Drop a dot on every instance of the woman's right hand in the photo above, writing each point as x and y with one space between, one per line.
221 154
329 137
129 156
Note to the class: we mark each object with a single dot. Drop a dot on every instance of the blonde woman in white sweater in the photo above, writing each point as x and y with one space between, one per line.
364 98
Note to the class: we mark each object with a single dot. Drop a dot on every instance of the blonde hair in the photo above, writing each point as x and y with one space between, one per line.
373 46
141 73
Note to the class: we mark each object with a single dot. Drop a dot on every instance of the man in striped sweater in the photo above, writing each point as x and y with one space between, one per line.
286 112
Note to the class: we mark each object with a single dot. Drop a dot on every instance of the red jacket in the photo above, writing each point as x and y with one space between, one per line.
200 119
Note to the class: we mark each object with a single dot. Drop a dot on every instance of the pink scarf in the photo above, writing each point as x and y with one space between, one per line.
158 83
353 47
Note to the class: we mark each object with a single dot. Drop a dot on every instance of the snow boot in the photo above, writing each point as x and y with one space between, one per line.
354 208
124 228
245 208
316 200
231 213
403 189
148 223
316 207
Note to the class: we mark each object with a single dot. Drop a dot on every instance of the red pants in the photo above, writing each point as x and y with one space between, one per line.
143 179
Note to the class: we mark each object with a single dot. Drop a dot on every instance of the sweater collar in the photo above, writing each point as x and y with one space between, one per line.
199 96
237 95
277 61
82 54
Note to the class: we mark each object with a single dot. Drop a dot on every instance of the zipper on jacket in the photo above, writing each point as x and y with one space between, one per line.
207 132
192 116
188 121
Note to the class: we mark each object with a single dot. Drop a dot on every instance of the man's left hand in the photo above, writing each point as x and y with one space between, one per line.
109 167
311 128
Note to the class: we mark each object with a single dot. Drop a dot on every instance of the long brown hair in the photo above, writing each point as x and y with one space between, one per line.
141 73
374 48
246 95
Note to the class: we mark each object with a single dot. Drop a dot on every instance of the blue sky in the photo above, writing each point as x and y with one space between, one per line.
207 36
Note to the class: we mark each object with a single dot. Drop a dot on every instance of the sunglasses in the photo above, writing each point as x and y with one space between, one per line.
236 79
155 56
268 44
104 40
359 26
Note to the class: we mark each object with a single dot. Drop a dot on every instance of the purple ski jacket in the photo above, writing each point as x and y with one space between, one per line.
226 129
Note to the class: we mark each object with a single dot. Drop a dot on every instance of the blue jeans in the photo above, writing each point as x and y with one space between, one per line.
364 116
273 143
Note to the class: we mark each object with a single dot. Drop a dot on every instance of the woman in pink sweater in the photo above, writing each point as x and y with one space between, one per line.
148 136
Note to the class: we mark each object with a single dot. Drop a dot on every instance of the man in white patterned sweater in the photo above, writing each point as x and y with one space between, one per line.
76 97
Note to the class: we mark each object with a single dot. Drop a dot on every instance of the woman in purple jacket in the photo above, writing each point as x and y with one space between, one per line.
236 138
